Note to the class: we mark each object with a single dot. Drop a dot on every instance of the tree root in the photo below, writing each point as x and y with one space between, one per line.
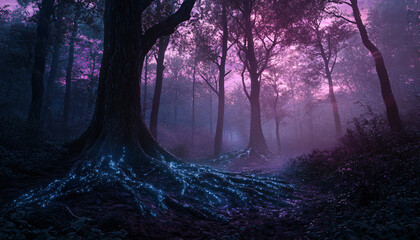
169 185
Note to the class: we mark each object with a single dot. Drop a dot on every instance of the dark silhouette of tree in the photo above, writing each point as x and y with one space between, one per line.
393 115
117 120
328 42
213 44
59 31
163 46
257 42
146 79
41 48
69 70
275 95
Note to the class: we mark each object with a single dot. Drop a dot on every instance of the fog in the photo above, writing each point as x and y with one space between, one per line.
295 69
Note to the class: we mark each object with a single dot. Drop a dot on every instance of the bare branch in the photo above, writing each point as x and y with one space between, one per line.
169 25
209 84
340 16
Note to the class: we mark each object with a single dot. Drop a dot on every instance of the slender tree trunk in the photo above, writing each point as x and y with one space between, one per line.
333 100
58 41
211 113
256 137
277 122
67 95
175 123
218 138
386 90
41 45
334 104
91 83
295 126
163 45
193 111
146 65
311 129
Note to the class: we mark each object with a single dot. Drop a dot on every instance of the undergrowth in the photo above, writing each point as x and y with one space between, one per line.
369 184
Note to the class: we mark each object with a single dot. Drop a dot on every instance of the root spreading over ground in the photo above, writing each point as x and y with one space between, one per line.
170 185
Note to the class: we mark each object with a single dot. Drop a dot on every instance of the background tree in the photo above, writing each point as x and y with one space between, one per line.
275 96
59 31
37 79
162 47
388 97
257 41
69 70
328 42
212 38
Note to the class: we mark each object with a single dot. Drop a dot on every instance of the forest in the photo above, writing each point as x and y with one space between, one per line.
209 119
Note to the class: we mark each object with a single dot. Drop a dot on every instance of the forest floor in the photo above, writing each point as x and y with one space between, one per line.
365 188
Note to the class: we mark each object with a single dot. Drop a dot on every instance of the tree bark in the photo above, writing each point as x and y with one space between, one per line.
211 113
145 85
277 122
218 138
91 83
117 123
333 100
58 41
175 122
67 95
334 104
256 137
163 45
193 111
41 45
391 105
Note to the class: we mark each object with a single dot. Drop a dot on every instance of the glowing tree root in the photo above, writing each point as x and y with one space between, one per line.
170 185
237 160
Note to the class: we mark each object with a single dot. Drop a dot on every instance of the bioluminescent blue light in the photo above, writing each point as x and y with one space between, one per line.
169 183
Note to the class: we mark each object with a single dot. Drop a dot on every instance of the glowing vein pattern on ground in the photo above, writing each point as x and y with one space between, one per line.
169 184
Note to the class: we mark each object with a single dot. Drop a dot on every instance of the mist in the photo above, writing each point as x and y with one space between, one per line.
204 108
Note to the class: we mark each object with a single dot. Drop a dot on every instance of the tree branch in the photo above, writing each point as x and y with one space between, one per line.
340 16
209 84
169 25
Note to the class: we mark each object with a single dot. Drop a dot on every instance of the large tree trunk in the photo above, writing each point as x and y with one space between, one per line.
67 95
256 137
163 45
41 45
386 90
218 138
117 150
117 123
58 41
